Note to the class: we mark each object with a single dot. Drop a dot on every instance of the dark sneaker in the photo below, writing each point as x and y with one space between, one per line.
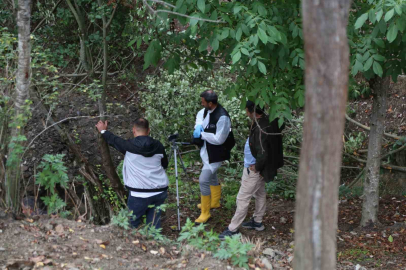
227 232
253 225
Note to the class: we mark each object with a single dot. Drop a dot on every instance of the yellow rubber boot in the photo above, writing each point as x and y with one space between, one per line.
205 204
215 197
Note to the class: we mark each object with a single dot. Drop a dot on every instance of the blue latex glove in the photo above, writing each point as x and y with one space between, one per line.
198 131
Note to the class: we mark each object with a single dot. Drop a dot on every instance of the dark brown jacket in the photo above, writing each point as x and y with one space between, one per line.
267 149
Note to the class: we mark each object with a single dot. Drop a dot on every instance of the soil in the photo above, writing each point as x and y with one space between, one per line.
41 242
55 243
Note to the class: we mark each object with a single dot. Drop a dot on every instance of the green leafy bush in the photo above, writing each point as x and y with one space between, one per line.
198 237
53 173
354 143
172 102
285 188
232 248
122 219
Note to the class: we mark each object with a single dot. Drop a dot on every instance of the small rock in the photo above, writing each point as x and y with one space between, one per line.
268 264
270 252
48 227
353 233
359 267
2 249
283 220
290 259
59 228
292 244
228 267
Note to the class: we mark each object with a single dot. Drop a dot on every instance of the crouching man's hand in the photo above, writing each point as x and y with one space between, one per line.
101 126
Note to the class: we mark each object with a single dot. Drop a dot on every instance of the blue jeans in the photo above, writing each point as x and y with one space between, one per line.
139 206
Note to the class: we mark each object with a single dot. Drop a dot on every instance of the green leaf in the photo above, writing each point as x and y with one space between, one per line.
368 64
361 20
379 15
398 9
390 238
389 14
237 9
131 42
179 4
215 44
253 61
378 57
224 34
392 33
201 5
382 26
372 16
262 35
357 67
378 69
139 42
238 34
236 57
203 45
245 51
379 42
262 67
301 100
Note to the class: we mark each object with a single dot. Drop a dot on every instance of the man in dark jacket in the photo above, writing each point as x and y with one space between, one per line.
144 174
263 155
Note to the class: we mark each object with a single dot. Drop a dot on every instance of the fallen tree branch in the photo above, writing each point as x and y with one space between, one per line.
396 137
359 176
384 166
84 74
394 151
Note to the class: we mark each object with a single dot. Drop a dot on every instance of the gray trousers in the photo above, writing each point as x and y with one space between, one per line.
207 179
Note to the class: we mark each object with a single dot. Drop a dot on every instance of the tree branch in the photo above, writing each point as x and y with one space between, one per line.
42 21
63 120
368 128
156 12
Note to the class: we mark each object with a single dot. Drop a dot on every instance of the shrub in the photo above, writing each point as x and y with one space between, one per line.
53 173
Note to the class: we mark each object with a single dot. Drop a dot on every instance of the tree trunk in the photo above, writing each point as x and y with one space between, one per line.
107 161
327 66
85 55
370 203
23 79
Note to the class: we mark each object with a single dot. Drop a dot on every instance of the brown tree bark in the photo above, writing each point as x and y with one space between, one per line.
23 80
370 203
327 67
